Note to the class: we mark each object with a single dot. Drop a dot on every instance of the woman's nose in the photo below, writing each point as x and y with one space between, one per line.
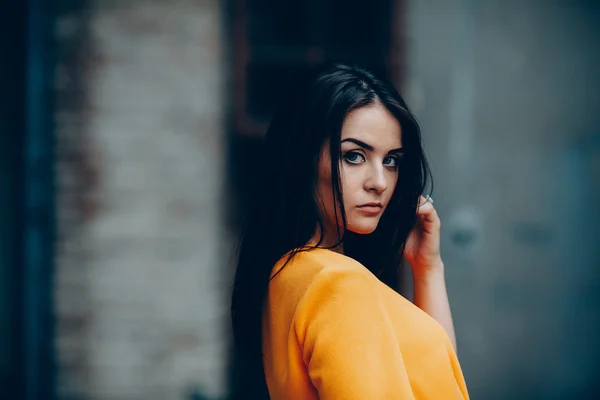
376 180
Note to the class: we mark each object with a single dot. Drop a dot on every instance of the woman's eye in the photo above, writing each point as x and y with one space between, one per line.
354 157
391 162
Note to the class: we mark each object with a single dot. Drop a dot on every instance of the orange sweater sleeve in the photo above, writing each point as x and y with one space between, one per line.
347 340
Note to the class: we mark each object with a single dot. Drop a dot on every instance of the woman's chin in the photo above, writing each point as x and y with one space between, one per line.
362 229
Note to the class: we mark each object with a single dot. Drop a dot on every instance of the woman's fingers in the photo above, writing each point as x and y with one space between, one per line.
429 219
426 199
425 205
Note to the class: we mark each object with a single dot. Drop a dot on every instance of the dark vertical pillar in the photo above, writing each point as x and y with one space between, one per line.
12 138
26 202
38 206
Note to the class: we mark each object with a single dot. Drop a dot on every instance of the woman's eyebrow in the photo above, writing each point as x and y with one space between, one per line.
359 143
368 146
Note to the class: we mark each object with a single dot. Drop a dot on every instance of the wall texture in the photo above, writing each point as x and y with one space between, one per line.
504 93
139 289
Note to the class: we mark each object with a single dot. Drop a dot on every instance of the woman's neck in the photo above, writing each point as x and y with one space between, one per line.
330 241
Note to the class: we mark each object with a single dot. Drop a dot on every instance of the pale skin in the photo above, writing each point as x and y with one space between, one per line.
371 147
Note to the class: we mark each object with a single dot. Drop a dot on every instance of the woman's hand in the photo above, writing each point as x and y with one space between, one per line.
422 249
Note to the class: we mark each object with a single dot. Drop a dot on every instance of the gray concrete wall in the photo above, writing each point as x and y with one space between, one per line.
507 94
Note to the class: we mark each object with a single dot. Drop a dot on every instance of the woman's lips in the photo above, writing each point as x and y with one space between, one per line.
370 209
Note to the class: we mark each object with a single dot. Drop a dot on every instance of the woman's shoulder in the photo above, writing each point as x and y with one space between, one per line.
318 270
316 261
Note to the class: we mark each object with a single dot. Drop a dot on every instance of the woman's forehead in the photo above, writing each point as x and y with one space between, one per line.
374 125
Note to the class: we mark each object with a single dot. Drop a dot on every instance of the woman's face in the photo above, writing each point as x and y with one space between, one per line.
371 148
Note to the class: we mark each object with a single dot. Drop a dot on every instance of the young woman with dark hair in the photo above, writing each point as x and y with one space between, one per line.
340 204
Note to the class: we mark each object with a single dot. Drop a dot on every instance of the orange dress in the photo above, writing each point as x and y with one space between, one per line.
332 330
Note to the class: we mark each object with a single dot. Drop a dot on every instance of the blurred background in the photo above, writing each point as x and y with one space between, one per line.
131 133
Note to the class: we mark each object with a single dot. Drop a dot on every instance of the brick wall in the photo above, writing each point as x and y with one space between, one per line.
139 290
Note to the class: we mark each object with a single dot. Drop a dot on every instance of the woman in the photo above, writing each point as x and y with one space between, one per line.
339 206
